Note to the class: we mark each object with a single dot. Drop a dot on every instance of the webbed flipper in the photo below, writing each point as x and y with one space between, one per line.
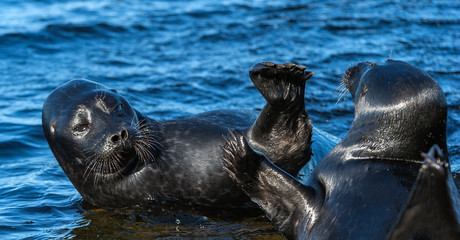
283 129
288 203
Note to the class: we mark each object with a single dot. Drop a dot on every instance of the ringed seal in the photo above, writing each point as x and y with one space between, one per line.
371 184
115 156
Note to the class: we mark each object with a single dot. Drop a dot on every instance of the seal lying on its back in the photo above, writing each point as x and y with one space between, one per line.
362 186
116 157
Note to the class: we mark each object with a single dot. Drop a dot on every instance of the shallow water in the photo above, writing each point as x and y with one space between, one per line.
177 58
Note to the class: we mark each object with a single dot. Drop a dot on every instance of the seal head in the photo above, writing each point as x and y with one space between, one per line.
95 134
401 104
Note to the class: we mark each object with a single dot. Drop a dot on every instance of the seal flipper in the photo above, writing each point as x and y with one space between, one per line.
291 205
430 212
283 130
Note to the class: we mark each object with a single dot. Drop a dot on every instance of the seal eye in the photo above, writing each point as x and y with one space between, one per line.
120 107
81 128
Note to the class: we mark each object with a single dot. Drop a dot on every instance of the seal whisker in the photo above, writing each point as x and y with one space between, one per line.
104 164
96 169
148 135
143 147
100 168
133 124
151 141
116 164
343 95
143 153
140 154
92 159
343 91
341 85
141 124
112 164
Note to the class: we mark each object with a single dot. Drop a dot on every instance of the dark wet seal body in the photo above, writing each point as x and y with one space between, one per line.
115 156
362 187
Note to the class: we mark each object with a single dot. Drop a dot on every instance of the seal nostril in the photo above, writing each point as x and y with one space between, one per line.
124 134
115 138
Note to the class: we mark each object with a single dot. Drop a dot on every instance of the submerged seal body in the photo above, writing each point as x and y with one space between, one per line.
115 156
362 188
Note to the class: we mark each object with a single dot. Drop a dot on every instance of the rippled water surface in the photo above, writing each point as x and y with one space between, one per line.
177 58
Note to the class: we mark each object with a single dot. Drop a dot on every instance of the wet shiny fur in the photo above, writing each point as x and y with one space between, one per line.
362 188
115 156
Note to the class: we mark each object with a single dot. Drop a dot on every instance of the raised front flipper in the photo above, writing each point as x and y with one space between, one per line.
290 205
283 130
430 212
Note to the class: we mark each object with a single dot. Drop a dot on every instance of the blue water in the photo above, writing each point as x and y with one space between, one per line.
177 58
